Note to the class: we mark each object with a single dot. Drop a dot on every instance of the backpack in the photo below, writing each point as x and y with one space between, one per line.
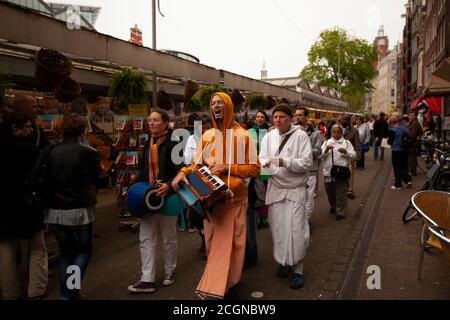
37 185
406 143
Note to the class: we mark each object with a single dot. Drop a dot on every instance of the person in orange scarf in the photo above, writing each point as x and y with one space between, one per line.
233 161
158 169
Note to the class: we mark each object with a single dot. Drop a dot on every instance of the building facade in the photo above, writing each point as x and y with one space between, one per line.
384 97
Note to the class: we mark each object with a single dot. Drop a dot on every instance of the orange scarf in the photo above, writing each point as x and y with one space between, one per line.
153 159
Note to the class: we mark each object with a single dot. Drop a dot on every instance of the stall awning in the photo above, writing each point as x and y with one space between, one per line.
434 102
443 70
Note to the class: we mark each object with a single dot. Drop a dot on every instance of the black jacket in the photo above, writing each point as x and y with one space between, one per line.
380 129
167 168
74 171
16 221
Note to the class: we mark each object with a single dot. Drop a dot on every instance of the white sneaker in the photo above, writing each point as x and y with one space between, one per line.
395 188
169 279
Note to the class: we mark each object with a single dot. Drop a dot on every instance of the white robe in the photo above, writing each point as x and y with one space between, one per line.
287 194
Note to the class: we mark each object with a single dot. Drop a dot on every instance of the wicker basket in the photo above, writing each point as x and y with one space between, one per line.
163 100
237 97
190 89
51 67
67 91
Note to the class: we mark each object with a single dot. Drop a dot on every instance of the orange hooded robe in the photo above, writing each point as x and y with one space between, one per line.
225 232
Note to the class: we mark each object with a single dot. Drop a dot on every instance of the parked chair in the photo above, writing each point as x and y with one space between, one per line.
434 208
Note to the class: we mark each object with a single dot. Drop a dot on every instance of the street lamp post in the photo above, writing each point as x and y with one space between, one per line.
154 75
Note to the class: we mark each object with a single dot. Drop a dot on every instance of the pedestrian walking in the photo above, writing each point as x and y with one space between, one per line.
364 138
399 140
337 151
287 156
415 132
380 132
18 224
352 135
74 171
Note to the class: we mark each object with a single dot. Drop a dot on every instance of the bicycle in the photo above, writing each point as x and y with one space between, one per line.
438 177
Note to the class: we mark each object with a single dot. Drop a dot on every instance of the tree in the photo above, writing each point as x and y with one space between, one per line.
350 68
200 101
127 87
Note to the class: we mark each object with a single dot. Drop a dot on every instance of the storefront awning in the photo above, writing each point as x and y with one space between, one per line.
443 70
434 102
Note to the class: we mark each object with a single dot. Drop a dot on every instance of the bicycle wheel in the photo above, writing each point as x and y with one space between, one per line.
409 214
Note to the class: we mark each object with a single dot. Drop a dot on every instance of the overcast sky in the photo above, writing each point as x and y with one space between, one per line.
238 35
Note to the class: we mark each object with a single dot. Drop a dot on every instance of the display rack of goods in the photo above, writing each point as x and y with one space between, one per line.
51 125
130 137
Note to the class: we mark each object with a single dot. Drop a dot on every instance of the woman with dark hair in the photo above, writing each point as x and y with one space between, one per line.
257 210
157 168
74 169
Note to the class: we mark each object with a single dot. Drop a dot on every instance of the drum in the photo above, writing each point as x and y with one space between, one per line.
142 200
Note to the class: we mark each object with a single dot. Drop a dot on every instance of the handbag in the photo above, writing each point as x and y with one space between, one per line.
365 147
339 172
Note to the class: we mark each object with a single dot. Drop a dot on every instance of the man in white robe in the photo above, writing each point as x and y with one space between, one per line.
288 164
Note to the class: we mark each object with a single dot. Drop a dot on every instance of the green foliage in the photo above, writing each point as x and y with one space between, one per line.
207 92
4 84
193 105
353 68
257 101
200 102
127 87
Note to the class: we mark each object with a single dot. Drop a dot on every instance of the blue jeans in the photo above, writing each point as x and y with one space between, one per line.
375 152
75 246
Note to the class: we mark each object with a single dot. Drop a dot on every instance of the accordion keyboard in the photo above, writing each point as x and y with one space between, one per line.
214 180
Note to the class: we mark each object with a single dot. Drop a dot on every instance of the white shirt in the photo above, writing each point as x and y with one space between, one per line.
364 133
288 181
191 148
340 159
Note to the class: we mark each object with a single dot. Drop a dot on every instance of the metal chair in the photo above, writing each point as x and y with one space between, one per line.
434 208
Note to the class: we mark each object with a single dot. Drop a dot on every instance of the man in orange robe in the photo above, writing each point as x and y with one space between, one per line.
230 153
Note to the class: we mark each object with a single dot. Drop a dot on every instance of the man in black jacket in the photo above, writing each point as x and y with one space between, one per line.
17 223
380 132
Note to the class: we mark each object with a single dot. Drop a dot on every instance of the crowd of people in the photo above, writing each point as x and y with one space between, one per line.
277 188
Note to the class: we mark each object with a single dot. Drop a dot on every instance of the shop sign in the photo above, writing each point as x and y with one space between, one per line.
137 110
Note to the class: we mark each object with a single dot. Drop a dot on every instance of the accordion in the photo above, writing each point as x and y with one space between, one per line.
203 192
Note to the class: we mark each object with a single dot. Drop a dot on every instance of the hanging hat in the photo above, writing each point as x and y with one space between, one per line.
190 89
163 100
237 97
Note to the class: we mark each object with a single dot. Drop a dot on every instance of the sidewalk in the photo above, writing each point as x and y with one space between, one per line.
395 249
